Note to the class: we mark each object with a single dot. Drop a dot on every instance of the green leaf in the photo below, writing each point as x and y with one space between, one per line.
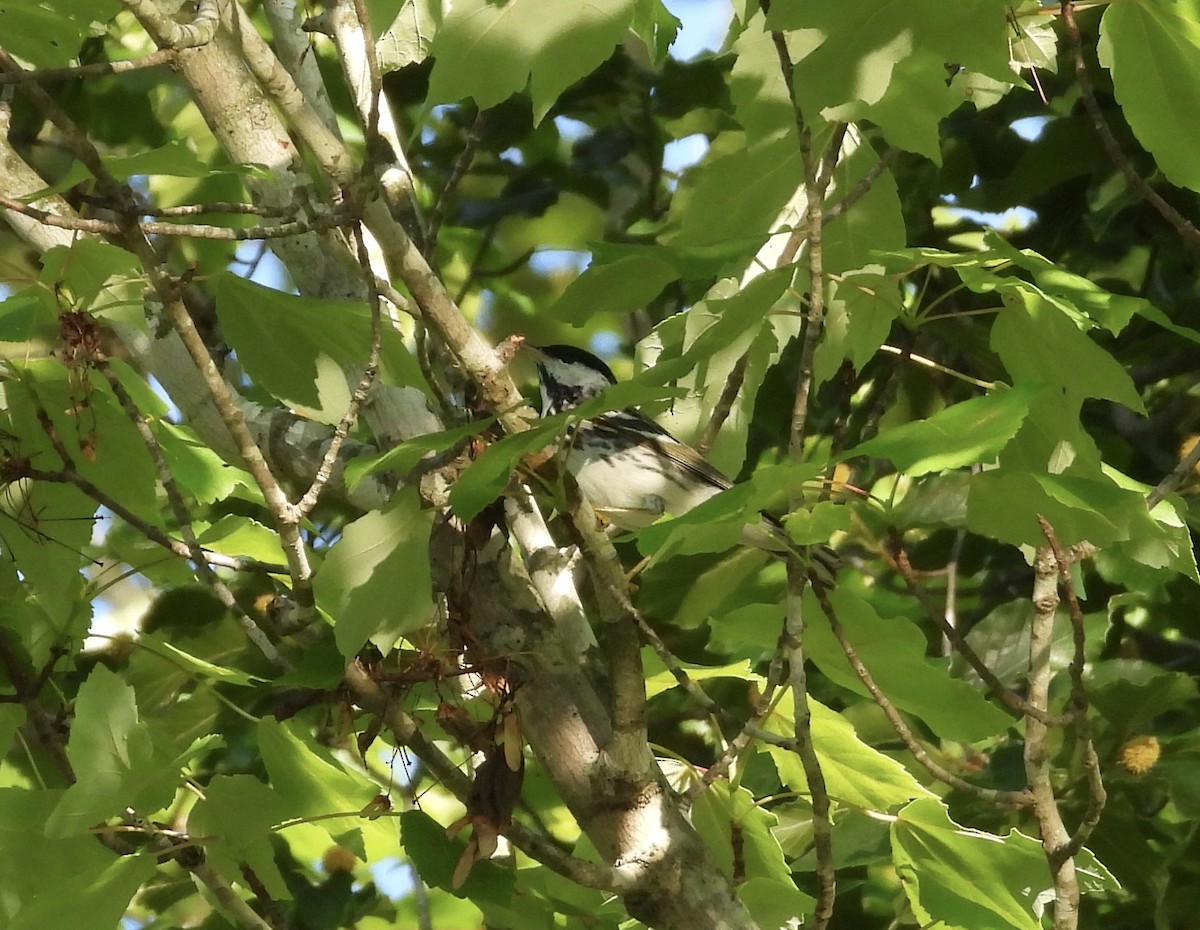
660 679
404 457
626 285
489 51
435 855
851 241
866 40
21 312
1001 639
716 524
102 442
195 665
49 34
656 26
723 810
740 191
1131 693
173 158
375 581
1039 343
774 903
240 813
488 475
968 433
195 467
816 524
113 748
240 537
911 108
1112 311
308 779
1094 876
855 773
1005 504
406 28
33 866
12 718
893 650
1153 52
727 329
966 878
761 100
97 900
45 528
297 347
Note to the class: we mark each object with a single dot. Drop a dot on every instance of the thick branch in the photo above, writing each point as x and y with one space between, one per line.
1038 770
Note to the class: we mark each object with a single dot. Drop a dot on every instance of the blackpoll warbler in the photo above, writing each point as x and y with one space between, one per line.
632 470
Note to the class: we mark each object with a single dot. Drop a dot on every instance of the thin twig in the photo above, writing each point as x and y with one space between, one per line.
371 697
394 297
859 190
1180 473
458 171
286 520
189 230
227 898
1097 795
235 207
179 508
1038 770
954 636
724 405
155 59
361 390
797 577
149 530
1190 234
991 795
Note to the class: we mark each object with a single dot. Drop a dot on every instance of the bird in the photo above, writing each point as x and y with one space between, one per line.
632 470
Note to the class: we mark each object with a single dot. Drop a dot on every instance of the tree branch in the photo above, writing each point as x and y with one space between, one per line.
796 574
156 59
1097 795
1007 696
190 230
1038 770
179 508
992 795
310 497
1180 473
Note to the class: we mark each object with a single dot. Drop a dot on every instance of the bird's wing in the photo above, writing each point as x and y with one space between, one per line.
678 452
689 459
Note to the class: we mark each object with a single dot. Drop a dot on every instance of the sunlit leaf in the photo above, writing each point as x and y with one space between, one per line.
489 52
113 747
1153 52
375 580
968 433
963 877
855 773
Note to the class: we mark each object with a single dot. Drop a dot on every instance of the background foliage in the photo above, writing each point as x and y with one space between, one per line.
247 679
